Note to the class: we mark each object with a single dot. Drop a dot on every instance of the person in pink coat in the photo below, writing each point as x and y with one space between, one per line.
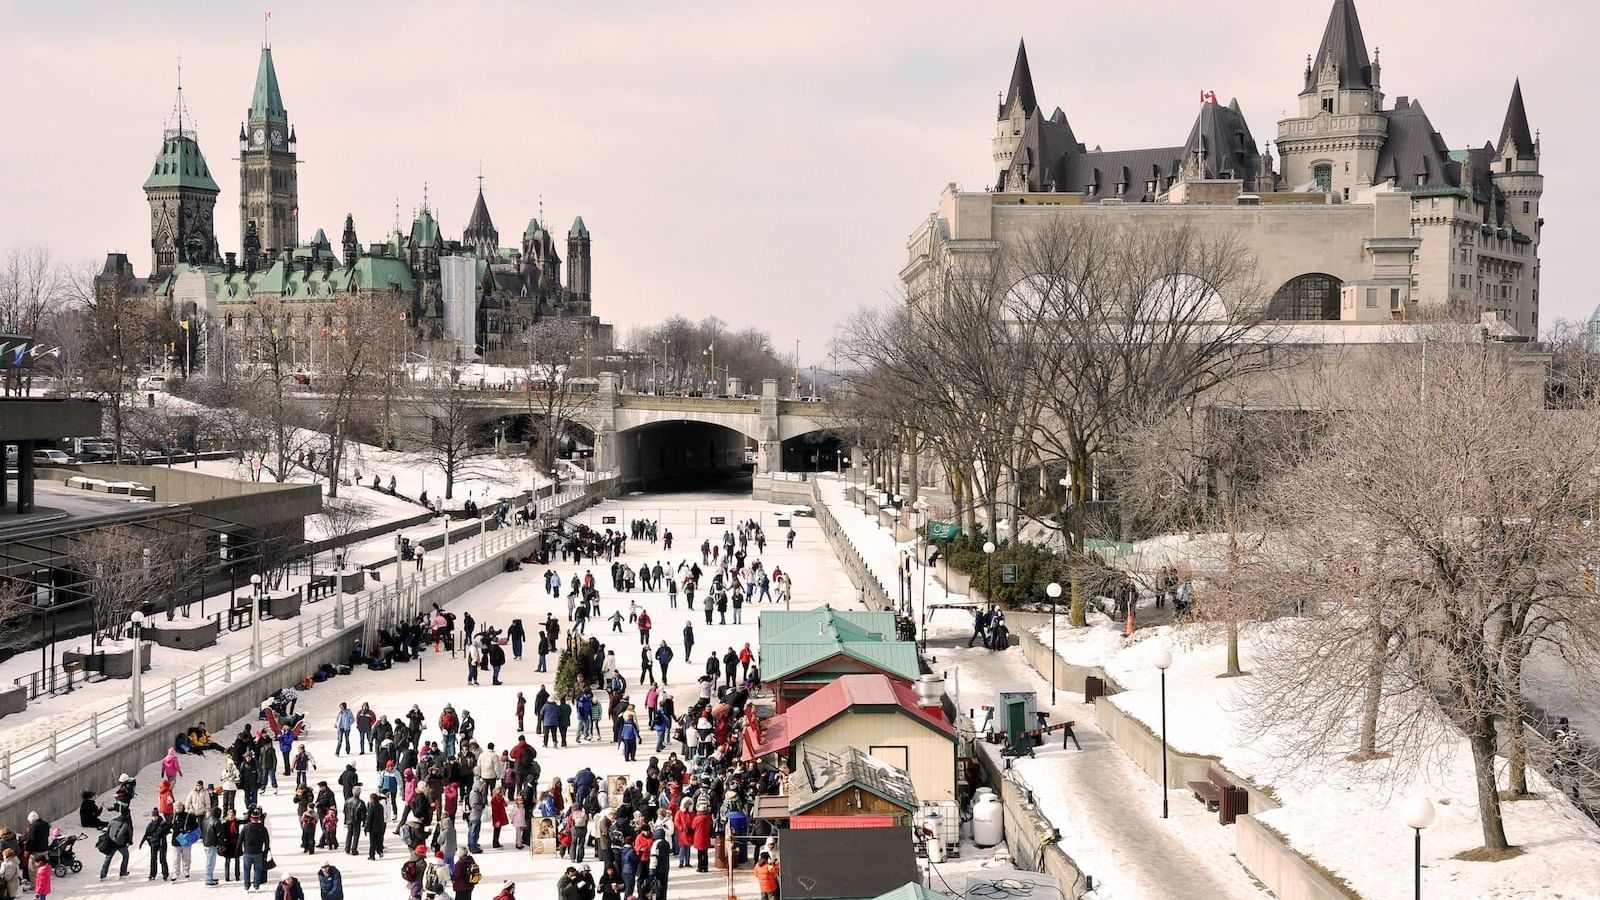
171 767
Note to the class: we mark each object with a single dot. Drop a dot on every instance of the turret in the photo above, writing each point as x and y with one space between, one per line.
578 260
1015 108
349 243
1516 167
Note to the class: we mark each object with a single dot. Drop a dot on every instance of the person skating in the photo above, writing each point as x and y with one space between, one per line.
330 882
375 826
156 832
118 836
355 821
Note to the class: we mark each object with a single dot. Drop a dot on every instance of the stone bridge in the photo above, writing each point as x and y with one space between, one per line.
650 438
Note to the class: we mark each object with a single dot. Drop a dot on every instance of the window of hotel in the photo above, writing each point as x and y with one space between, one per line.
1323 175
1524 207
1310 297
1372 298
1394 298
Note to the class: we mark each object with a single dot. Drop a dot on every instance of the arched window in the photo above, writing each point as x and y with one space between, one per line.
1035 295
1307 298
1182 297
1323 176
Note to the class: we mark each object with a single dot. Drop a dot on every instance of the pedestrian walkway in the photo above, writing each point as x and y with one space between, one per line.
1107 809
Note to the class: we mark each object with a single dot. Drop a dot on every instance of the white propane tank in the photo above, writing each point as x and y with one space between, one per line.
951 824
930 825
988 829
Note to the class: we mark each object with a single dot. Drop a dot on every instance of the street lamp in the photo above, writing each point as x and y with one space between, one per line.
255 621
1053 591
988 568
1419 815
136 709
1163 662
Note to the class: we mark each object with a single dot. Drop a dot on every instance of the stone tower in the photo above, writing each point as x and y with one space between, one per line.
1015 110
348 243
268 191
182 197
1333 145
480 233
1516 168
578 261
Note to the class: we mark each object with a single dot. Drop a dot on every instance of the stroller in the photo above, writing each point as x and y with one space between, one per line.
61 857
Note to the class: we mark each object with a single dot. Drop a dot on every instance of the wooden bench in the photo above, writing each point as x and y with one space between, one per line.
1210 791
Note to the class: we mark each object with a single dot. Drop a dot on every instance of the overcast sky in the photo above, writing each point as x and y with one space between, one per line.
763 162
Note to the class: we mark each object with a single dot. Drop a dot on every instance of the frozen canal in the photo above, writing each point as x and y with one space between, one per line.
818 579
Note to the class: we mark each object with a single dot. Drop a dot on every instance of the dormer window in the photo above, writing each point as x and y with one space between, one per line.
1327 105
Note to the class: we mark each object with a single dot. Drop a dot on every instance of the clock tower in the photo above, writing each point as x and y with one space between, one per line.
268 191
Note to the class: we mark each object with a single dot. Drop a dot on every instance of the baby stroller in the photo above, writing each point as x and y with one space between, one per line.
61 857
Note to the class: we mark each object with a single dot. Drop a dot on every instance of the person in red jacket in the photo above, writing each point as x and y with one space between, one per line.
702 840
644 628
683 827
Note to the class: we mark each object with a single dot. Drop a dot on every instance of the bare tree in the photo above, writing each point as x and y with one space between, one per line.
445 427
548 353
1132 324
1460 512
268 394
360 331
121 571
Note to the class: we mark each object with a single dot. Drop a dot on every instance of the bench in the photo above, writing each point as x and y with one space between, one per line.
1210 791
240 611
1219 794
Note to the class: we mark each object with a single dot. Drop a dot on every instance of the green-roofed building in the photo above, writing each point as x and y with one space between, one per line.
182 197
269 192
804 650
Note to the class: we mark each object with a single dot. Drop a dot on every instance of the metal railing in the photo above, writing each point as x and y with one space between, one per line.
167 699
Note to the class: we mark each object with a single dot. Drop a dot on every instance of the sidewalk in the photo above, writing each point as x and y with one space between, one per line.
1107 810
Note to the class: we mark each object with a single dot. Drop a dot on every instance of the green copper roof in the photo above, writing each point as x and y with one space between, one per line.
811 625
533 228
293 283
425 230
578 228
180 164
267 102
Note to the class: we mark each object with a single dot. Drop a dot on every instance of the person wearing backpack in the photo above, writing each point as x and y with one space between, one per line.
411 869
465 876
435 876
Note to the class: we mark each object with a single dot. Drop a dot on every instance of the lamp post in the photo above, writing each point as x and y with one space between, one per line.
136 707
1053 591
1419 815
988 569
1163 660
255 621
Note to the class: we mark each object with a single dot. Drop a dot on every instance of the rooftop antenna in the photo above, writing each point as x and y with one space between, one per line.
541 209
178 108
424 196
266 22
480 174
397 215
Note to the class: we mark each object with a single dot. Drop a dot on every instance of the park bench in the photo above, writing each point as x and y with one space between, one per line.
1219 794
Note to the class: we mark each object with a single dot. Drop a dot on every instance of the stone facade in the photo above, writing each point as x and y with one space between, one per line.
1367 215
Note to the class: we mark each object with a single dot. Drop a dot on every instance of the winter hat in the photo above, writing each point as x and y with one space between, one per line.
33 817
422 850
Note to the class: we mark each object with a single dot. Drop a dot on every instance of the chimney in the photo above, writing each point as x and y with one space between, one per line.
1402 102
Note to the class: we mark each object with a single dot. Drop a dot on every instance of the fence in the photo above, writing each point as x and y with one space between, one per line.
873 592
384 603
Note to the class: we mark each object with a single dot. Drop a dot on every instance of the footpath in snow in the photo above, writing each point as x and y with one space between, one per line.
1107 809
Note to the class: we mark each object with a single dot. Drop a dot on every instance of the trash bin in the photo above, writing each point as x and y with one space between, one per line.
1093 688
1235 803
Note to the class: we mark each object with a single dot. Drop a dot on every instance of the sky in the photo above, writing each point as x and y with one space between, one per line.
760 162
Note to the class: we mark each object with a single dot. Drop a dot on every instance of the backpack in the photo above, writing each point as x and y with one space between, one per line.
408 870
473 875
431 882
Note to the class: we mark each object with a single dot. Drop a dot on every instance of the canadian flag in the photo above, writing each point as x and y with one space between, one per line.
1208 97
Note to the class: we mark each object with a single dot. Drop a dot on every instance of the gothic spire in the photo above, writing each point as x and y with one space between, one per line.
1343 46
1021 88
1515 131
267 101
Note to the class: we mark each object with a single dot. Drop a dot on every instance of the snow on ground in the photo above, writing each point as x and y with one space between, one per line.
1337 812
1107 809
819 579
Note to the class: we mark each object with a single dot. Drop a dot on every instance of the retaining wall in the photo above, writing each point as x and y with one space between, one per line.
1277 865
774 490
1026 829
871 591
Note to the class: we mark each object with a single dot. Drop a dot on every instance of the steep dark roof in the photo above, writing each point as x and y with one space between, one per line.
1045 143
480 216
1342 39
1021 84
1223 139
1415 155
1516 130
1103 170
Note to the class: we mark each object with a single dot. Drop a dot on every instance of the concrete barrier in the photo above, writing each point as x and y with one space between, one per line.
1278 866
1027 830
872 593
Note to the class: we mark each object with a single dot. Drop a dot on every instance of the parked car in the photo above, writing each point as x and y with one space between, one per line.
96 451
153 383
51 458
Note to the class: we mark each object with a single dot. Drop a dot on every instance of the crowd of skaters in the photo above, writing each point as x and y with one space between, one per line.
434 790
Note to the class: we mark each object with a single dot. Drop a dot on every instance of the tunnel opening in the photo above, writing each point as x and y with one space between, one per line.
814 451
682 456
